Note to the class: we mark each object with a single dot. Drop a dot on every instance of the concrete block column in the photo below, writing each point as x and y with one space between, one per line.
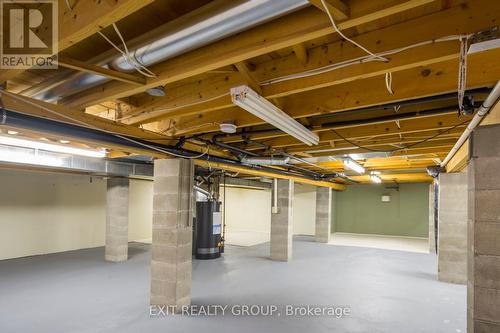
483 288
323 214
452 228
282 222
172 232
117 203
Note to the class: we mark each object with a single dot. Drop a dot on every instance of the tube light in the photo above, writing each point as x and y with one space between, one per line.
353 165
249 100
50 147
376 179
266 160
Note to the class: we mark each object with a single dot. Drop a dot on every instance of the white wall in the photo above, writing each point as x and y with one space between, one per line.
248 210
140 211
304 209
46 212
248 214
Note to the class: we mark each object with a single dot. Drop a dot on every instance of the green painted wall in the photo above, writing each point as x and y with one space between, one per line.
359 209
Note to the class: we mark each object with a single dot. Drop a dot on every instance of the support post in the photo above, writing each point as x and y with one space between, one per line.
117 203
483 288
452 228
172 233
323 214
282 222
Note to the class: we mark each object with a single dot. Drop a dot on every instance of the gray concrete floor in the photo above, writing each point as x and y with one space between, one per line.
387 291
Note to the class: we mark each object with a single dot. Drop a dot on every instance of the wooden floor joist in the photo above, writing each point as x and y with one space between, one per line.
297 27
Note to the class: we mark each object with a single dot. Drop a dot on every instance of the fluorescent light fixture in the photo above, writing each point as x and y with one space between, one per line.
376 179
4 140
266 160
249 100
353 165
11 132
64 141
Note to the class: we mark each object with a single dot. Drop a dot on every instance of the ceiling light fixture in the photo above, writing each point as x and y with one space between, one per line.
50 147
64 141
353 165
12 132
228 127
158 91
249 100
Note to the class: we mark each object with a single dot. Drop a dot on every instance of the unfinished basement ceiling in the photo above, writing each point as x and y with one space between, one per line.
405 109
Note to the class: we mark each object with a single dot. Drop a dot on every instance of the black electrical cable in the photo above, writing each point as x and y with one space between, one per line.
398 149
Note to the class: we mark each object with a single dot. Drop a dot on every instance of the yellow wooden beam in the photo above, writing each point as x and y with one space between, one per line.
337 8
465 19
493 117
397 178
287 31
415 83
381 144
85 19
355 132
109 73
61 113
459 161
301 53
244 70
26 105
461 158
261 173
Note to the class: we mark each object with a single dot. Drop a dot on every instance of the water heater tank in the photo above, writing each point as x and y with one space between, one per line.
208 230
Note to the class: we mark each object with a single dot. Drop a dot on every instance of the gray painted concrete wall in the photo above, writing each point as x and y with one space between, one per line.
452 228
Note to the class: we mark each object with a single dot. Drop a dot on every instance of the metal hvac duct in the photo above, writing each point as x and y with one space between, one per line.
206 25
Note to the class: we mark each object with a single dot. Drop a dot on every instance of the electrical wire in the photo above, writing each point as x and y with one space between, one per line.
196 126
359 60
207 151
462 72
388 82
347 38
69 5
129 58
401 148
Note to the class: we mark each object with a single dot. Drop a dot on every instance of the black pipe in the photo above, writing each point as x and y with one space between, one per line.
245 133
229 147
388 118
20 120
416 101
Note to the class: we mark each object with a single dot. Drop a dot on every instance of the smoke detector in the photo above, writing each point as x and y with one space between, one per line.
228 127
156 91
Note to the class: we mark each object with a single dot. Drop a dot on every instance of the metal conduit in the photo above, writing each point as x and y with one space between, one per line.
483 110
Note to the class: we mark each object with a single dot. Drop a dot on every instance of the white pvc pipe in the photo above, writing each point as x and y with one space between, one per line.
274 208
483 110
